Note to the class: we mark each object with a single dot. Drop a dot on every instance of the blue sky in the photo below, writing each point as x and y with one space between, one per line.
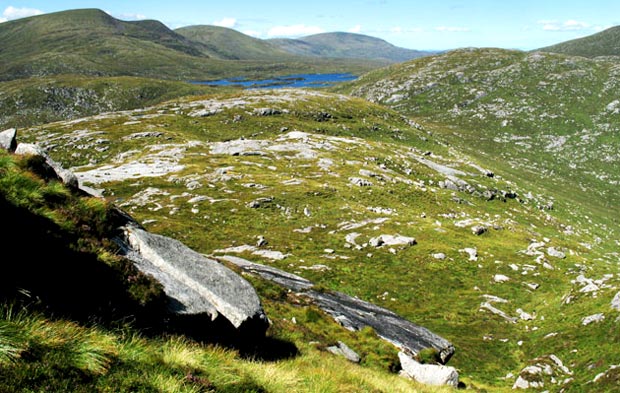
414 24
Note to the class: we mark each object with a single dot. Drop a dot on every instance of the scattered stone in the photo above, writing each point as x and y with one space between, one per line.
553 252
478 229
8 140
439 255
615 302
591 287
496 311
266 112
595 318
533 286
342 349
500 278
357 181
145 134
260 202
428 374
261 241
545 370
391 240
472 252
524 316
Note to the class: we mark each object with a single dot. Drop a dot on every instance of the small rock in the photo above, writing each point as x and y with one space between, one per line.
260 202
501 278
439 255
472 252
478 229
593 318
360 182
261 241
524 316
553 252
343 350
615 302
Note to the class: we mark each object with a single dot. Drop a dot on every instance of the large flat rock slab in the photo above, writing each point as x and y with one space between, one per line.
355 314
195 284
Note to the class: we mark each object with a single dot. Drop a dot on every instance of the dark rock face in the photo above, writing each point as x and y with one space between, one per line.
355 314
195 285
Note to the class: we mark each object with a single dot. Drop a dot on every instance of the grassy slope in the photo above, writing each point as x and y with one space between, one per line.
604 43
347 45
548 120
43 350
40 100
443 295
233 45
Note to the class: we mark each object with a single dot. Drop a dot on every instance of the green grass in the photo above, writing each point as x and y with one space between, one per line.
443 296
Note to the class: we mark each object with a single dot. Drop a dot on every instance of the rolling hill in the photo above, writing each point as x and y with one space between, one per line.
604 43
347 45
230 44
91 42
547 117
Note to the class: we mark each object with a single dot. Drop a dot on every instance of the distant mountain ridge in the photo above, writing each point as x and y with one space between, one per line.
230 44
91 42
347 45
604 43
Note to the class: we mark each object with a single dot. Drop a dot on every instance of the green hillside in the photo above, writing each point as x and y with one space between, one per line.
40 100
604 43
347 45
233 45
548 119
320 176
91 42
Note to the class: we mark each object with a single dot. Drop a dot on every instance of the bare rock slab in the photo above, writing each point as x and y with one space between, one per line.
428 374
195 284
355 314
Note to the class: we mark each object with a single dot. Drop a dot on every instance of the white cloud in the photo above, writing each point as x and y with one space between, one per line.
226 22
11 13
452 29
355 29
294 31
400 30
569 25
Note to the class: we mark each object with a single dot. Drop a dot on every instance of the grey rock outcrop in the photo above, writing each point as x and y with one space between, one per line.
343 350
355 314
196 285
615 302
428 374
64 175
8 140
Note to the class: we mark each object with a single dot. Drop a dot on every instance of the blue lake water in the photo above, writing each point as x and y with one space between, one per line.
296 80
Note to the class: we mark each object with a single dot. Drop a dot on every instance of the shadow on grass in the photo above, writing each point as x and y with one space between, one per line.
48 274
